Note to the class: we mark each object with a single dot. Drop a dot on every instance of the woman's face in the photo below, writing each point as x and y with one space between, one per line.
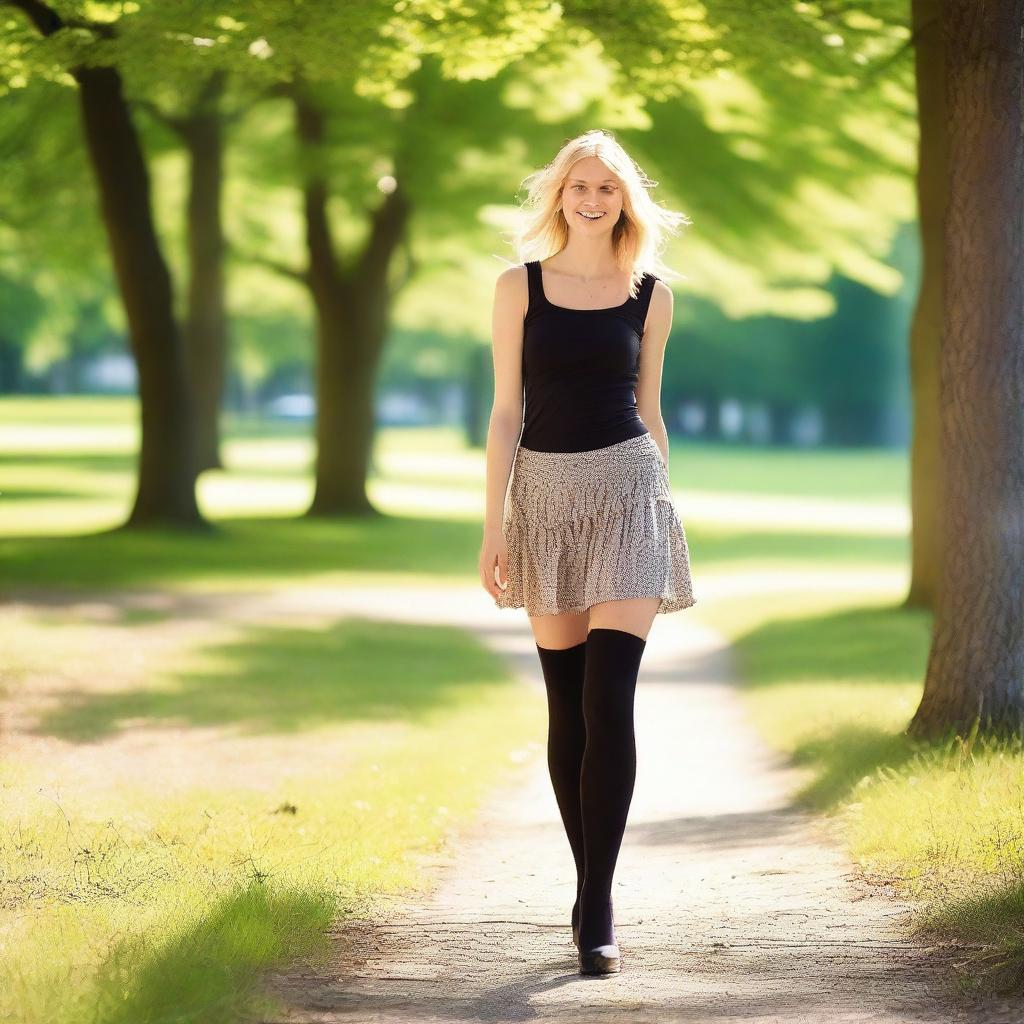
591 188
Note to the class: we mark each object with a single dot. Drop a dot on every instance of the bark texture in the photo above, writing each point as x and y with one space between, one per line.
976 663
926 329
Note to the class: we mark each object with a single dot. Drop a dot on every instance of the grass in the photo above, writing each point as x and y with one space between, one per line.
190 795
834 684
194 802
799 557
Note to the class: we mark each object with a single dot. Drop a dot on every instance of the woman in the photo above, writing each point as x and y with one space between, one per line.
588 540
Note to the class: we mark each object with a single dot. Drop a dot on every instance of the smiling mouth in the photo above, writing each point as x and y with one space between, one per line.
591 217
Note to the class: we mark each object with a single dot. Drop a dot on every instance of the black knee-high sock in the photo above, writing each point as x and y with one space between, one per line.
608 772
563 678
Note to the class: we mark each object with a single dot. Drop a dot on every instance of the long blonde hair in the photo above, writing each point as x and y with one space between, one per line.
638 238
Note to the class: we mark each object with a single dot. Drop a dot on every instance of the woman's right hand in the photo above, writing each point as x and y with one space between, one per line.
494 563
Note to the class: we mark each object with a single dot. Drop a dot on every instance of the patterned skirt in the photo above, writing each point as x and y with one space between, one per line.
591 526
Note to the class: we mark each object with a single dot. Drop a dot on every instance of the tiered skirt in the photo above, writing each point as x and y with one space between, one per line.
592 526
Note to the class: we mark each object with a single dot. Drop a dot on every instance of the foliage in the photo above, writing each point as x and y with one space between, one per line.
786 132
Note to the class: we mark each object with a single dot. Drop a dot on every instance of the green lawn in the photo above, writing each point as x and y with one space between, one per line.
190 797
164 811
832 679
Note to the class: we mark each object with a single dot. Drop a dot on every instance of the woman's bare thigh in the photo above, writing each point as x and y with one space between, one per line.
634 615
559 631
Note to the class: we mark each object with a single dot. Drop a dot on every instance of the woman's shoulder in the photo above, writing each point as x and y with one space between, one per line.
512 289
512 276
662 297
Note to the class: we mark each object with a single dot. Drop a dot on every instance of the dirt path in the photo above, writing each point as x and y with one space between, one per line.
730 904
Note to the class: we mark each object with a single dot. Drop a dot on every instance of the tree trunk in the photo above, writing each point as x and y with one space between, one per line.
206 326
926 330
351 322
976 663
166 477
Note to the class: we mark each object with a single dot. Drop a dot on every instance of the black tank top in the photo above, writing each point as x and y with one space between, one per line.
580 369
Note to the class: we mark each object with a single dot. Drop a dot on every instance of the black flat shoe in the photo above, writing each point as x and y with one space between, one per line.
600 960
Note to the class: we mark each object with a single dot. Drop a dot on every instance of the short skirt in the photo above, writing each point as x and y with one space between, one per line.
592 526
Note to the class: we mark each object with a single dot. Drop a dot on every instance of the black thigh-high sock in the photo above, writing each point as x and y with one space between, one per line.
563 678
608 772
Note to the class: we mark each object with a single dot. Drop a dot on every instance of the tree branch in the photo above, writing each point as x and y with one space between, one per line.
211 90
269 263
412 265
45 19
176 124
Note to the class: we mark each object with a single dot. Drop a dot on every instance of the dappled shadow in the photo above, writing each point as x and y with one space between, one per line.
279 549
844 757
243 550
728 832
790 549
990 918
737 958
852 647
285 680
109 462
877 644
43 494
207 972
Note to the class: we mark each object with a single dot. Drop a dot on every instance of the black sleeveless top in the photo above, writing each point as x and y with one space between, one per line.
580 369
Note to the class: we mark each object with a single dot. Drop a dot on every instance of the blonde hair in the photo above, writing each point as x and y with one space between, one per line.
639 236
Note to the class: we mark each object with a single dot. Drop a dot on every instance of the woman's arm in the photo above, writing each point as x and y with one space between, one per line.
652 359
511 297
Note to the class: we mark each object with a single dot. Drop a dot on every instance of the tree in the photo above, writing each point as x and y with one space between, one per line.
975 671
201 129
926 465
783 126
745 189
165 493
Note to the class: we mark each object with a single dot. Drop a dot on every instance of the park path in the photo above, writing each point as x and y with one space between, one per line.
731 905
